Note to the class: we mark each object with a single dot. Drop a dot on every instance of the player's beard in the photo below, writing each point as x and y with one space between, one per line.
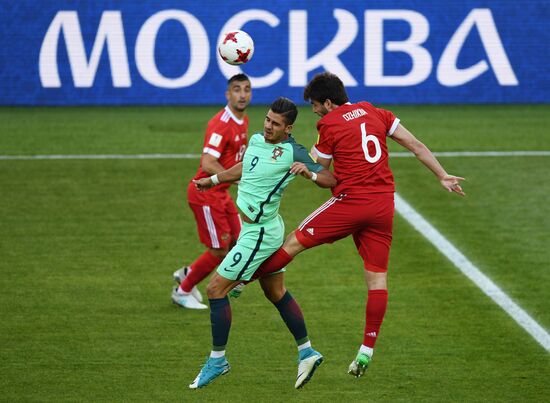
237 106
322 112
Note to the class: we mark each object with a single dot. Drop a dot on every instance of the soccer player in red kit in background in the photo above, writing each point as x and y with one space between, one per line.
353 138
217 218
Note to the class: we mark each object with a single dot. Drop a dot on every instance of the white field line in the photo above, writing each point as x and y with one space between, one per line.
473 273
197 156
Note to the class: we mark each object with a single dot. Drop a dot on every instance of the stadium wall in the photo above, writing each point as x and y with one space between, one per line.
164 52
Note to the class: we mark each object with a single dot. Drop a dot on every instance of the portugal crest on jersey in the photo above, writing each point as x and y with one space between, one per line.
277 152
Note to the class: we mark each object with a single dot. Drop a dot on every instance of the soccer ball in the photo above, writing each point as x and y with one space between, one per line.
236 47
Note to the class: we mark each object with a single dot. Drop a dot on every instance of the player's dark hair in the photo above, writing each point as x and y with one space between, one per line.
285 107
237 77
326 86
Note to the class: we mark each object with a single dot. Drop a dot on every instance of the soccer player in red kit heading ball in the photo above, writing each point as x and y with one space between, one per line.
353 138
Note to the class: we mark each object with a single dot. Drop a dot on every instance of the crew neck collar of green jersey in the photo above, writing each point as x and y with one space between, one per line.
289 139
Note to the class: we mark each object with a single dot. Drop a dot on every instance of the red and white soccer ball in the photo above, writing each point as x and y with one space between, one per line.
236 47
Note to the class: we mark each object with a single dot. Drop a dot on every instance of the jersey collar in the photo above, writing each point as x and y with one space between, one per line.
236 119
289 139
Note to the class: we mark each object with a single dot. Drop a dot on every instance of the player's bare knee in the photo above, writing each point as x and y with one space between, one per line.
214 288
292 246
275 294
273 287
376 280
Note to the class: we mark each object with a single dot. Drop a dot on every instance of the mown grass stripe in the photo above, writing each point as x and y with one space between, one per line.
472 272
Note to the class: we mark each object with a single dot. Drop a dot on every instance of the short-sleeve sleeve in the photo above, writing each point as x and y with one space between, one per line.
301 155
389 119
215 138
324 143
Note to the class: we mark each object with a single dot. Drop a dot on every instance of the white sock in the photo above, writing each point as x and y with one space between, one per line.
366 350
217 354
307 344
180 291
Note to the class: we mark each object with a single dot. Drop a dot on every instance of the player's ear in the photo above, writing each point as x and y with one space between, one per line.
288 129
328 104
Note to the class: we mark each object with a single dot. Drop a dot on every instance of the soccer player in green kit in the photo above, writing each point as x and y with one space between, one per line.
270 162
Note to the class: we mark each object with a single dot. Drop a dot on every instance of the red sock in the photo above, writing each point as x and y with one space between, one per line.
274 263
200 268
374 315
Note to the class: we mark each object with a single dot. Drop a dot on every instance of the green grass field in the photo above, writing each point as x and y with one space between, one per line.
87 249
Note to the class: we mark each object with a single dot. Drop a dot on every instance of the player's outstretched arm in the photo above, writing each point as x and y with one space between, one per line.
406 139
323 178
232 174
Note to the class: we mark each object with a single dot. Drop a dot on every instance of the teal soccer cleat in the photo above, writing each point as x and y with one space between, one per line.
213 368
358 366
308 362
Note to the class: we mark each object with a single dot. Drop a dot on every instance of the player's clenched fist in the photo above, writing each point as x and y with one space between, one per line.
203 184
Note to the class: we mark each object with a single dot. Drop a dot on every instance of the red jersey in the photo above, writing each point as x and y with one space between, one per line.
354 136
225 139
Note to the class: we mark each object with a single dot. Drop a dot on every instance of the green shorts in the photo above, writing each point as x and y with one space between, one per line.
255 244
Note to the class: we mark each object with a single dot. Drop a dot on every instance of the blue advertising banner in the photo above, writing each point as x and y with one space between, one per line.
165 52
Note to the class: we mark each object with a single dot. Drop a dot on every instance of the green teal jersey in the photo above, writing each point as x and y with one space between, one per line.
266 174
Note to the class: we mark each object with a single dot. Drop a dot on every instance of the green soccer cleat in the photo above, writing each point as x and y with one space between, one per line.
237 290
358 366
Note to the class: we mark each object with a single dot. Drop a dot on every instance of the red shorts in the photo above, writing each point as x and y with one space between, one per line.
369 218
217 217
